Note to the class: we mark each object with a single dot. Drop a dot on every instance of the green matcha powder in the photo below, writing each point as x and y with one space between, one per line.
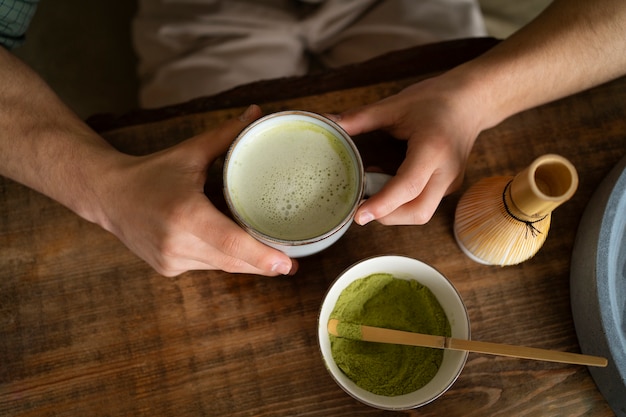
384 301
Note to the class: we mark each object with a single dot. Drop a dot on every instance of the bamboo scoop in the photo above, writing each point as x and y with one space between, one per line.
398 337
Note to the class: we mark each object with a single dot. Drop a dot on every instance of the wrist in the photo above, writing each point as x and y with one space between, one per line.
93 176
481 95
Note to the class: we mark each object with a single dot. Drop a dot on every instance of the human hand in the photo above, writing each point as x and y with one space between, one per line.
156 206
441 125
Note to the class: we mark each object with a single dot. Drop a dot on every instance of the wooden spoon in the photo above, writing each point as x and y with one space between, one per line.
398 337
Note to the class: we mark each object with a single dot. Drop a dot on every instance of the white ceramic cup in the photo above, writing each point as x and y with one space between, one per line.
253 168
451 302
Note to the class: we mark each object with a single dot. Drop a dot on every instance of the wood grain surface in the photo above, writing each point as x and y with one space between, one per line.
88 329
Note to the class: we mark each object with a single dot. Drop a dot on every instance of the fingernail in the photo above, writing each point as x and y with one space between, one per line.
282 268
364 218
246 114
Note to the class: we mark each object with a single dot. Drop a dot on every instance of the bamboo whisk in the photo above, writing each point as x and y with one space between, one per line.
505 220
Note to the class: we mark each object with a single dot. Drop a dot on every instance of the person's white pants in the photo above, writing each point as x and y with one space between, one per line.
193 48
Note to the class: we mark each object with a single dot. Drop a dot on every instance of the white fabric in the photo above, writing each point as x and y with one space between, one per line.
193 48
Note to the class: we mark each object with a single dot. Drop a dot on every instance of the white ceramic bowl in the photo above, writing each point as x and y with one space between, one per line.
409 269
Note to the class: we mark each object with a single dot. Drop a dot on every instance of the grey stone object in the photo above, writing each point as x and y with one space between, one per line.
598 285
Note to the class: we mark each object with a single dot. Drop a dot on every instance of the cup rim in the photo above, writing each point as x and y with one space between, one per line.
342 134
403 267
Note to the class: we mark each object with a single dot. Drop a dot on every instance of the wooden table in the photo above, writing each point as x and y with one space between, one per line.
88 329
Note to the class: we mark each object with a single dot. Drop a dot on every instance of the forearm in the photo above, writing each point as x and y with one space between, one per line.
154 204
44 145
572 46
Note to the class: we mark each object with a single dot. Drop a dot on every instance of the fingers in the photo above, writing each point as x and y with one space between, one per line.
216 142
427 174
240 252
177 229
237 251
440 136
417 210
396 203
218 244
362 120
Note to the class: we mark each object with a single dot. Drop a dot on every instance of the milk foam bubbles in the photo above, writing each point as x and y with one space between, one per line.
293 181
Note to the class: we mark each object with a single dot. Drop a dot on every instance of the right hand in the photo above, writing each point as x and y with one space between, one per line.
440 126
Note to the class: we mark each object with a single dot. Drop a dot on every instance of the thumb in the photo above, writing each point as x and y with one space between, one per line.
216 141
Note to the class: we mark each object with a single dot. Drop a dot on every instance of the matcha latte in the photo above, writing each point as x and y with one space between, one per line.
293 181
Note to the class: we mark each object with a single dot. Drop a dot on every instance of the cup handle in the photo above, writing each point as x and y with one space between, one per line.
374 182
